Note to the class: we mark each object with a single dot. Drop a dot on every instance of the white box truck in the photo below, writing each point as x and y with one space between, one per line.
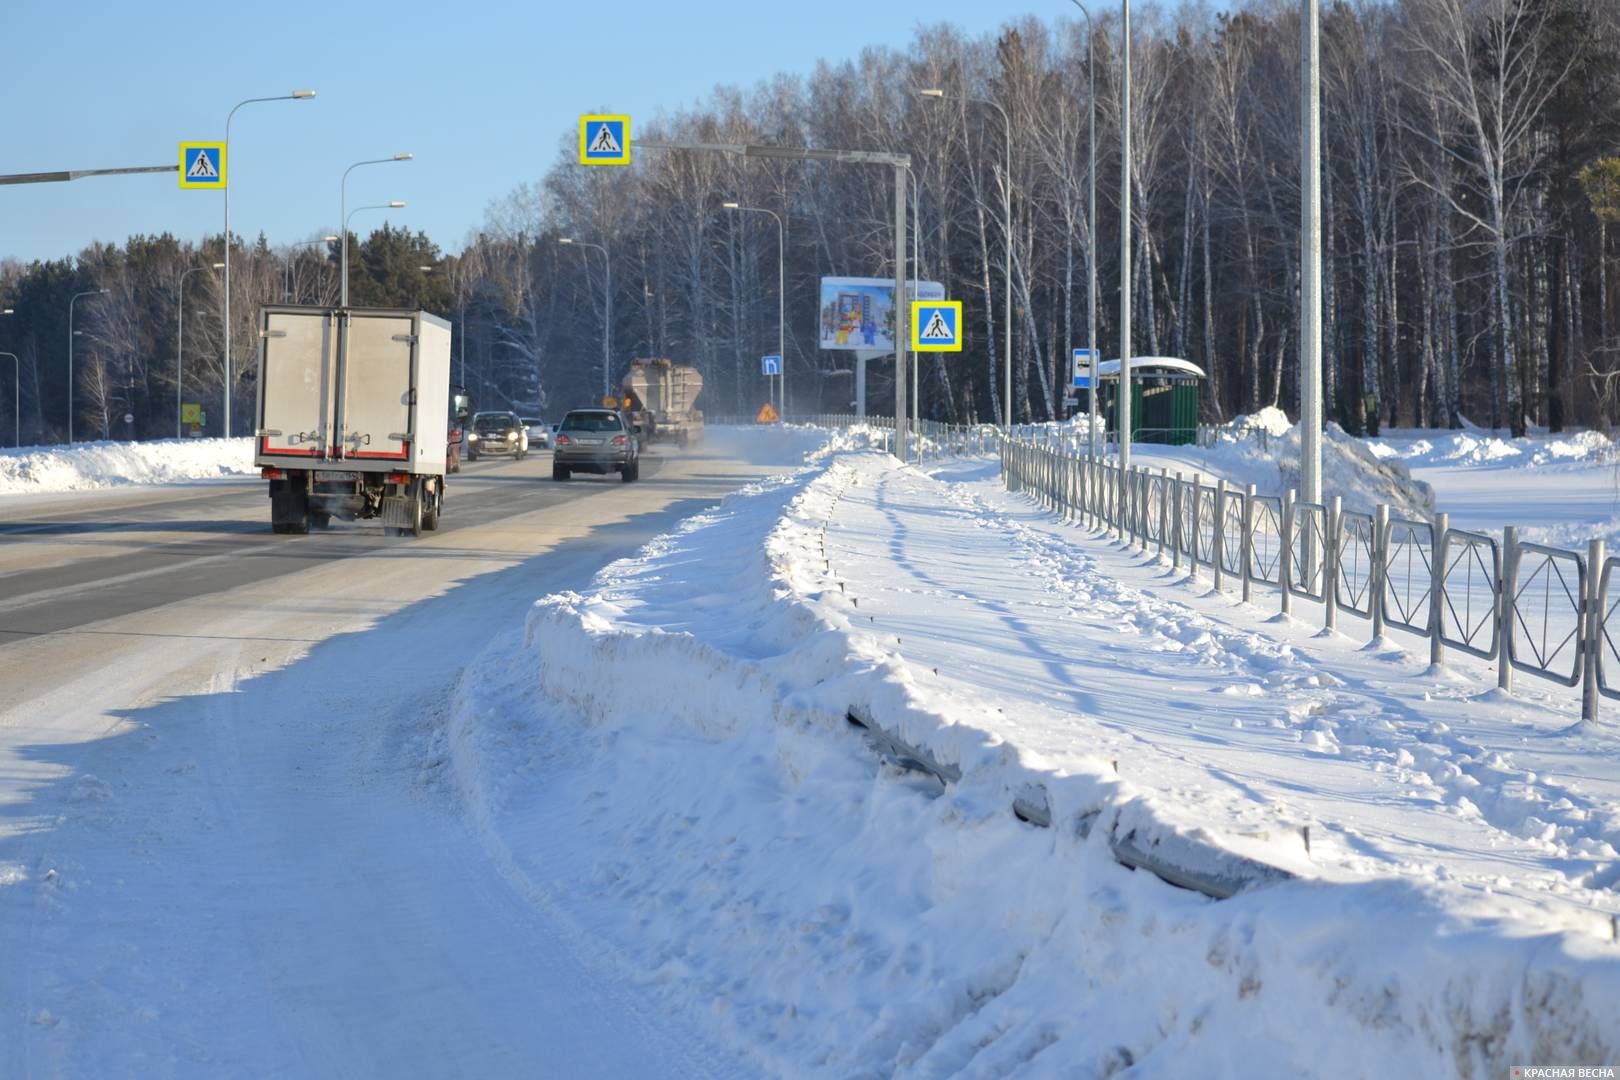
354 409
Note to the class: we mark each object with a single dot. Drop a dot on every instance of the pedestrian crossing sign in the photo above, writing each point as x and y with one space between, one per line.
604 140
202 165
936 325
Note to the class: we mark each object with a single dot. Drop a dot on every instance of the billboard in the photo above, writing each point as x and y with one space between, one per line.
858 313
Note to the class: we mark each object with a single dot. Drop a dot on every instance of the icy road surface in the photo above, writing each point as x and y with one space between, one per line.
226 844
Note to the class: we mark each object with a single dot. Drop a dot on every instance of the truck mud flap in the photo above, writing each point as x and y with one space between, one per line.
397 512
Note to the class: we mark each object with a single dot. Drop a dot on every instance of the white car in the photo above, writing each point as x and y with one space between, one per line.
492 433
538 431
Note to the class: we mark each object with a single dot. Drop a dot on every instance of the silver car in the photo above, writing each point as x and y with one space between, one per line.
596 441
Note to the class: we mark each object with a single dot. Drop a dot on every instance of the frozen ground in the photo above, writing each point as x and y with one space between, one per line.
38 470
676 738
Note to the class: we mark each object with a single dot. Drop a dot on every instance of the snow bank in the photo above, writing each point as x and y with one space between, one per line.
1263 449
1466 448
39 470
676 744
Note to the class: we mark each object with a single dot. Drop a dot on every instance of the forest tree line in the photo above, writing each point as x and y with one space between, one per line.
1471 175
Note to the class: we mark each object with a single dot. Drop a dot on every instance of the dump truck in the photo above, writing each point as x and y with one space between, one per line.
353 416
663 401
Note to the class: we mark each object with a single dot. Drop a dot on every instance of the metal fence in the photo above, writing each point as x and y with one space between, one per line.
1534 610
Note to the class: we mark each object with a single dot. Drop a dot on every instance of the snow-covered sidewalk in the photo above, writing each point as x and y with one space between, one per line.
677 737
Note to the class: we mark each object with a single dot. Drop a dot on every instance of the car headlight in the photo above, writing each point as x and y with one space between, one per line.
511 436
472 436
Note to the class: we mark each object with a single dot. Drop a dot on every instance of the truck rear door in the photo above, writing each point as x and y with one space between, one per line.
378 384
298 368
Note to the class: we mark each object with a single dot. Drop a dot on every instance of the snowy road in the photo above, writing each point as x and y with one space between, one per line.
226 846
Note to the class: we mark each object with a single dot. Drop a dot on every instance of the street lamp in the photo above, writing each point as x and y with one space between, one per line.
180 340
1006 232
1123 409
607 309
343 202
71 302
781 298
296 95
1091 227
292 254
394 205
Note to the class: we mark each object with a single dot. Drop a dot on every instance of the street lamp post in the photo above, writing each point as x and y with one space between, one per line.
1006 232
607 309
781 298
296 95
1091 226
180 342
16 398
1310 291
286 295
16 389
1124 408
71 302
393 205
343 203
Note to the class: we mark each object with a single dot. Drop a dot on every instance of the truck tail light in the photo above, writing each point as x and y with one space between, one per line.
267 473
398 478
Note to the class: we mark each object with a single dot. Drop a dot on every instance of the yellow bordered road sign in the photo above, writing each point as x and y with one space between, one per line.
936 325
604 140
202 165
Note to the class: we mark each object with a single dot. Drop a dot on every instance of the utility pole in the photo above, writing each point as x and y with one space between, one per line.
1310 279
1124 393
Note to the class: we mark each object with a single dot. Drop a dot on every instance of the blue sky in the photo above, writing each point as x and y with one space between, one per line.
479 91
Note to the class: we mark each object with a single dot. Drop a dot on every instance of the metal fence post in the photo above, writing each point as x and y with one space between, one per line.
1330 564
1248 540
1594 630
1285 568
1504 607
1218 533
1437 588
1378 570
1175 524
1164 499
1192 541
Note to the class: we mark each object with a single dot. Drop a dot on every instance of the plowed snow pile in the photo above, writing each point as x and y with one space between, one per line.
1263 449
1562 490
39 470
667 762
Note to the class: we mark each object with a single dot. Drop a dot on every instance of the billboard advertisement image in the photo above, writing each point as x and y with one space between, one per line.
858 313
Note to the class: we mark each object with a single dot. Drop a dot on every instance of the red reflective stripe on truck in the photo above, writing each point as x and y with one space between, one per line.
285 451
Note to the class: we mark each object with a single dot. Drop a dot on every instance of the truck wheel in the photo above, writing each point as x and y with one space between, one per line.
435 503
559 472
320 519
472 455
